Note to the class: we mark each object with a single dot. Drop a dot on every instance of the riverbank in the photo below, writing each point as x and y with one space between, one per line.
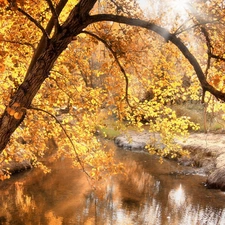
207 154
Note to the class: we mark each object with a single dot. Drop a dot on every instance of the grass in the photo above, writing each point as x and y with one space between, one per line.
108 125
210 122
109 133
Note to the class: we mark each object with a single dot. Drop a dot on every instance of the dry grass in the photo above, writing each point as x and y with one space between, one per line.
208 122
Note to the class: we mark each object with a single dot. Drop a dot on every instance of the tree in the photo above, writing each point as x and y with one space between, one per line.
64 69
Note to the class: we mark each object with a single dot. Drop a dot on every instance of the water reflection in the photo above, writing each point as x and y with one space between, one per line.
177 196
147 195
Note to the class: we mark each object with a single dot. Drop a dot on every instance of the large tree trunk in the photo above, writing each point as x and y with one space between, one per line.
77 20
22 98
42 43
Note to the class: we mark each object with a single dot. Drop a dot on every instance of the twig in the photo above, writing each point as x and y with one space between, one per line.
19 43
119 8
57 84
180 27
54 14
77 155
117 61
34 21
217 57
193 26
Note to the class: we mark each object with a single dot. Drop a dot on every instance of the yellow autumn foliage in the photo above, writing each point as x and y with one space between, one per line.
131 72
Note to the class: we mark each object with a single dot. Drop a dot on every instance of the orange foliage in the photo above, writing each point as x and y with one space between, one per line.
132 72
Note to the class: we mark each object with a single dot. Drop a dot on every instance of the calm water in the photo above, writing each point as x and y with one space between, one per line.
148 195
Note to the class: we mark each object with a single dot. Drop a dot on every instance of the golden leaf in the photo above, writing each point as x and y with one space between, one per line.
18 115
79 89
10 111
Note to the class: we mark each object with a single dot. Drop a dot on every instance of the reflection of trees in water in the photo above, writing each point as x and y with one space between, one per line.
23 201
136 185
146 195
15 198
137 192
39 199
141 198
125 199
197 215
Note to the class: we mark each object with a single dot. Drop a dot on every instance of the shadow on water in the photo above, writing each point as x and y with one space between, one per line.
147 195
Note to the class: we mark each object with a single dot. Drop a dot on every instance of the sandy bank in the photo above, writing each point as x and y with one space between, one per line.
207 153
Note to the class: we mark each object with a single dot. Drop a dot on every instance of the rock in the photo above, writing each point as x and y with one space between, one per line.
124 142
207 153
134 141
216 180
16 165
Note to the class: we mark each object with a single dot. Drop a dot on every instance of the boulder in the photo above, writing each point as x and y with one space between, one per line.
134 141
207 153
216 180
15 166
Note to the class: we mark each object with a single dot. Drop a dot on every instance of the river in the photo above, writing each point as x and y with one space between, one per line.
148 195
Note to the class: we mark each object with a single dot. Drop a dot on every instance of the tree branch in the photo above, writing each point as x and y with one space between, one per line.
42 43
19 43
168 37
34 21
71 142
217 57
201 21
54 14
117 61
209 46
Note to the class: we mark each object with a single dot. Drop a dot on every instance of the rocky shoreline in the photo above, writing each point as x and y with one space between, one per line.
207 153
14 166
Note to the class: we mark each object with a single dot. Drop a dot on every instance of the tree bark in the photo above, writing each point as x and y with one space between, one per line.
41 68
41 45
77 20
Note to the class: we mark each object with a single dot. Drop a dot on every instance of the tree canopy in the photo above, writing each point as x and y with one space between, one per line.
130 59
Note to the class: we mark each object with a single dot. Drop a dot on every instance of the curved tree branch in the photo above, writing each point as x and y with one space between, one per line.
76 22
37 24
64 130
54 14
117 61
168 37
